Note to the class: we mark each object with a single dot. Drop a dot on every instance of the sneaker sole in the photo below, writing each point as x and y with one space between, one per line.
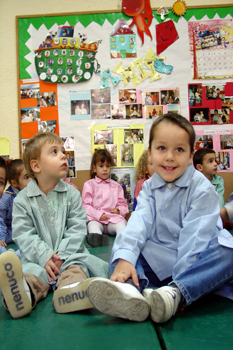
11 284
67 300
158 313
110 301
96 240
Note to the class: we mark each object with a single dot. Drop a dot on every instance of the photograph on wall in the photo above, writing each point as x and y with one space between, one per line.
214 92
173 108
103 137
69 146
195 94
112 149
47 125
133 111
170 96
203 141
100 95
228 102
133 136
28 91
127 155
30 114
80 107
69 143
223 161
101 111
220 116
199 115
118 112
226 141
127 96
150 98
46 99
124 177
152 112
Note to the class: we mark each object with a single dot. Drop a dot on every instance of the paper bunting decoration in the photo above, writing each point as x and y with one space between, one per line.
154 75
166 35
142 73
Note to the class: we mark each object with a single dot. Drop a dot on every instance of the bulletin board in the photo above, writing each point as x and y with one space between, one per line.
117 86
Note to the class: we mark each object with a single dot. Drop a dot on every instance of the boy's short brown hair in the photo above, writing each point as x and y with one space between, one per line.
200 154
33 147
178 120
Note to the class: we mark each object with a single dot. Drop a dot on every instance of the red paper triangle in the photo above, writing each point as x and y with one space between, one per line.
166 35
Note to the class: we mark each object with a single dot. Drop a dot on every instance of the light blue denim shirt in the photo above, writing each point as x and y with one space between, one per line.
172 224
43 225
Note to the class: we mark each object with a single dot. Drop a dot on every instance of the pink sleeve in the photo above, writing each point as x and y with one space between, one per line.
87 199
138 187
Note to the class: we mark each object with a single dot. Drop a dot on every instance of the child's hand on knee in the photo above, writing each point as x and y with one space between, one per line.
123 271
115 211
3 244
104 217
51 267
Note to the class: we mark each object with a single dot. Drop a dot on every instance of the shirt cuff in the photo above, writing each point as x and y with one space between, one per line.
125 254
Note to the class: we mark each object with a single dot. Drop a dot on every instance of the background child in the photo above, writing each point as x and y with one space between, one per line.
49 227
3 179
173 241
144 171
204 160
18 179
103 200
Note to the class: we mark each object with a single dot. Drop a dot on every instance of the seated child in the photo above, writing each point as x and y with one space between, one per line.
204 160
144 171
104 202
3 178
49 227
18 179
173 248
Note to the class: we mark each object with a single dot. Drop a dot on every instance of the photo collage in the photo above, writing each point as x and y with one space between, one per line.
210 104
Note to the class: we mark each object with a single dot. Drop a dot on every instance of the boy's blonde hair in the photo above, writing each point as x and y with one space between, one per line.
142 167
33 147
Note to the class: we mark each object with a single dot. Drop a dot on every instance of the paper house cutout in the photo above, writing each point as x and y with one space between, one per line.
123 41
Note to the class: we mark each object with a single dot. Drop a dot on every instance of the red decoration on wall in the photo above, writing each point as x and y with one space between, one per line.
142 19
166 35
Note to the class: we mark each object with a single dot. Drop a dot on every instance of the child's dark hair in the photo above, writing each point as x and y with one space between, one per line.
14 169
176 119
200 154
3 165
101 155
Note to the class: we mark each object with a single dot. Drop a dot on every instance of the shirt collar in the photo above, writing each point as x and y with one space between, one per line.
98 180
33 189
183 181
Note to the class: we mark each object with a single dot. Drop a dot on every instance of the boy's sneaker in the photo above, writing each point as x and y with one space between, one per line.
72 297
97 240
163 301
13 286
118 299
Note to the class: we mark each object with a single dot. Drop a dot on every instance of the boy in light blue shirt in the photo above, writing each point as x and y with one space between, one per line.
173 249
49 227
204 160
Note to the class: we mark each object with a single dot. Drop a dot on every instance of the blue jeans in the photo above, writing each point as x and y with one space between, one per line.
212 272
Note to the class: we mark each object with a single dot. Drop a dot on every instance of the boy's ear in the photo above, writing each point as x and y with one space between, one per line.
14 183
35 166
199 167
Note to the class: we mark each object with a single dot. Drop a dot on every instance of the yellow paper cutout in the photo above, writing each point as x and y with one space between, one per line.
4 146
154 74
138 64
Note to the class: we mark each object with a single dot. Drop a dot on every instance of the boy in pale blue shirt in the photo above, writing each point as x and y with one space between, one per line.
49 227
204 160
173 249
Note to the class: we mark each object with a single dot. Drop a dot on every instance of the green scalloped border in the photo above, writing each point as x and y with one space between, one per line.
86 19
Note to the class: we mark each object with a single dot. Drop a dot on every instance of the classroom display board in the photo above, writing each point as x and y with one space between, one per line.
98 82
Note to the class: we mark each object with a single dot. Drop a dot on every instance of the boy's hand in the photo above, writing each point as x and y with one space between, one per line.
123 271
3 244
51 267
115 211
104 217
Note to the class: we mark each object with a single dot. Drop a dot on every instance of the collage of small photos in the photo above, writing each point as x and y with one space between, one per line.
132 104
211 104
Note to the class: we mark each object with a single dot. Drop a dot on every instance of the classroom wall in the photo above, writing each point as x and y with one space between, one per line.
9 9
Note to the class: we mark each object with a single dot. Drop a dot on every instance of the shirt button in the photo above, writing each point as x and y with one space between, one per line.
52 218
169 185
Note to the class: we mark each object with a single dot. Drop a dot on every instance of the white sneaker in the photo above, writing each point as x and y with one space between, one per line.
118 299
163 301
72 297
13 286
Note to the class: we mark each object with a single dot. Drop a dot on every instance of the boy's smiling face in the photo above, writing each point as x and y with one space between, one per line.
170 151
